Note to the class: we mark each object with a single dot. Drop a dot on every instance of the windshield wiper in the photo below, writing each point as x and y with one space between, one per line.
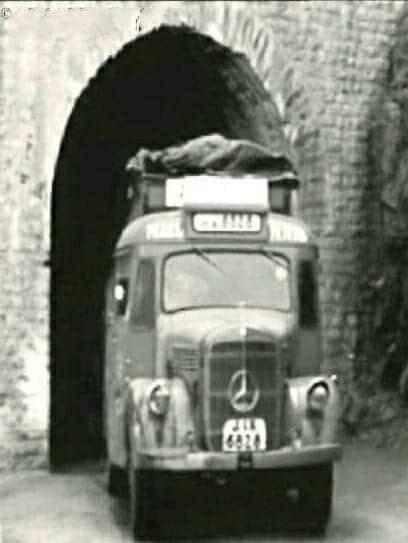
276 258
231 282
208 259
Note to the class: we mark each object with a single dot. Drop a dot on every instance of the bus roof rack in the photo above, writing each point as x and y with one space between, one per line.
212 158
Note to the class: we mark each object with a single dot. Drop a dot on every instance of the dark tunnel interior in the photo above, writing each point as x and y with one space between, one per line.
162 88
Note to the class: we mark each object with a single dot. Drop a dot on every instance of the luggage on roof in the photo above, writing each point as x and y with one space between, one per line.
211 153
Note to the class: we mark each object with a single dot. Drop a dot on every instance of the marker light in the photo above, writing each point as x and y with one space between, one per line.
119 293
159 399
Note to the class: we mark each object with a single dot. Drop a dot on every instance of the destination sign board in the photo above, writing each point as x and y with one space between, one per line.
227 222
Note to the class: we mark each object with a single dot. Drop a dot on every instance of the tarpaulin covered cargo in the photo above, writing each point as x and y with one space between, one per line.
212 153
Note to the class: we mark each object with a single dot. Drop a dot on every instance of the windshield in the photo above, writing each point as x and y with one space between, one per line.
200 279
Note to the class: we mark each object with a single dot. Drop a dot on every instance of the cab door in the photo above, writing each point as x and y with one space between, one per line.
141 341
117 308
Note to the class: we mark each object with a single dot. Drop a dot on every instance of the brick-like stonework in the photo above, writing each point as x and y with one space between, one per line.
48 54
324 64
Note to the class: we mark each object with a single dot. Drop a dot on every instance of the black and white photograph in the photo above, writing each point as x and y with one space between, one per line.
204 271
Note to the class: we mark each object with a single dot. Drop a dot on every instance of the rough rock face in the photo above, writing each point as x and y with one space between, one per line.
324 64
389 167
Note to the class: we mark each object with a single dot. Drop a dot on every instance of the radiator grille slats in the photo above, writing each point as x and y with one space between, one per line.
261 360
185 359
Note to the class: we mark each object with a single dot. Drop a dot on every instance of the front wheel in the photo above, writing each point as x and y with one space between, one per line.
320 499
137 504
117 481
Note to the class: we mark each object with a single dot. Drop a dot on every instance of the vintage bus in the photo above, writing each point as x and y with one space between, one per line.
214 390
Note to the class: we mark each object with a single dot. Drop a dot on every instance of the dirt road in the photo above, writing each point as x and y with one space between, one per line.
371 504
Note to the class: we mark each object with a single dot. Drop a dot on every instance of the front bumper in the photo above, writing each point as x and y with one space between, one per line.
288 457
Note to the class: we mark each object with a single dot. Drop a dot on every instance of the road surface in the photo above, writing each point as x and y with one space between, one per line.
371 504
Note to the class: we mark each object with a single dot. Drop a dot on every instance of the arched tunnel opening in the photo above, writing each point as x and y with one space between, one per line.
162 88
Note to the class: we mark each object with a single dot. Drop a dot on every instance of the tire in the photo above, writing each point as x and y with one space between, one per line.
137 501
117 481
320 502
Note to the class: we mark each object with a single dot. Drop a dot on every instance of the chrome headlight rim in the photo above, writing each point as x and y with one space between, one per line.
318 398
158 397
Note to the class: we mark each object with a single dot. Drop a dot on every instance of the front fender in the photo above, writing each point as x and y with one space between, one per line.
149 432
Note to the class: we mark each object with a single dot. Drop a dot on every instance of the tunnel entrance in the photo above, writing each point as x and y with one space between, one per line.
161 89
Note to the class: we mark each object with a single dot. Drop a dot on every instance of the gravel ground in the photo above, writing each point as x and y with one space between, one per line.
371 504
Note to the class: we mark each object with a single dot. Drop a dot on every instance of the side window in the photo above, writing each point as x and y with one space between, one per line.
308 317
143 297
121 294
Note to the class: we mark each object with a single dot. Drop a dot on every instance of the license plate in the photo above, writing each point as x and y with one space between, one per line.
244 435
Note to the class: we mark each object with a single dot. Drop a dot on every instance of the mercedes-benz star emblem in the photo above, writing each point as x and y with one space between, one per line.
243 391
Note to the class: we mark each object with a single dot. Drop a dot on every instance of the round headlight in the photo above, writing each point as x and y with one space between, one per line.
318 397
159 399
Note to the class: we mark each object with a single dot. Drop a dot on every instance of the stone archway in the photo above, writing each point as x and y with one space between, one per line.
164 87
242 27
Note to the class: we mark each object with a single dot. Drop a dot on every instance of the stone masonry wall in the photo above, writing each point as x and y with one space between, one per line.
324 63
48 53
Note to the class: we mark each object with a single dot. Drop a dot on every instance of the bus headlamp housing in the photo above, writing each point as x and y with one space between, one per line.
159 398
318 398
